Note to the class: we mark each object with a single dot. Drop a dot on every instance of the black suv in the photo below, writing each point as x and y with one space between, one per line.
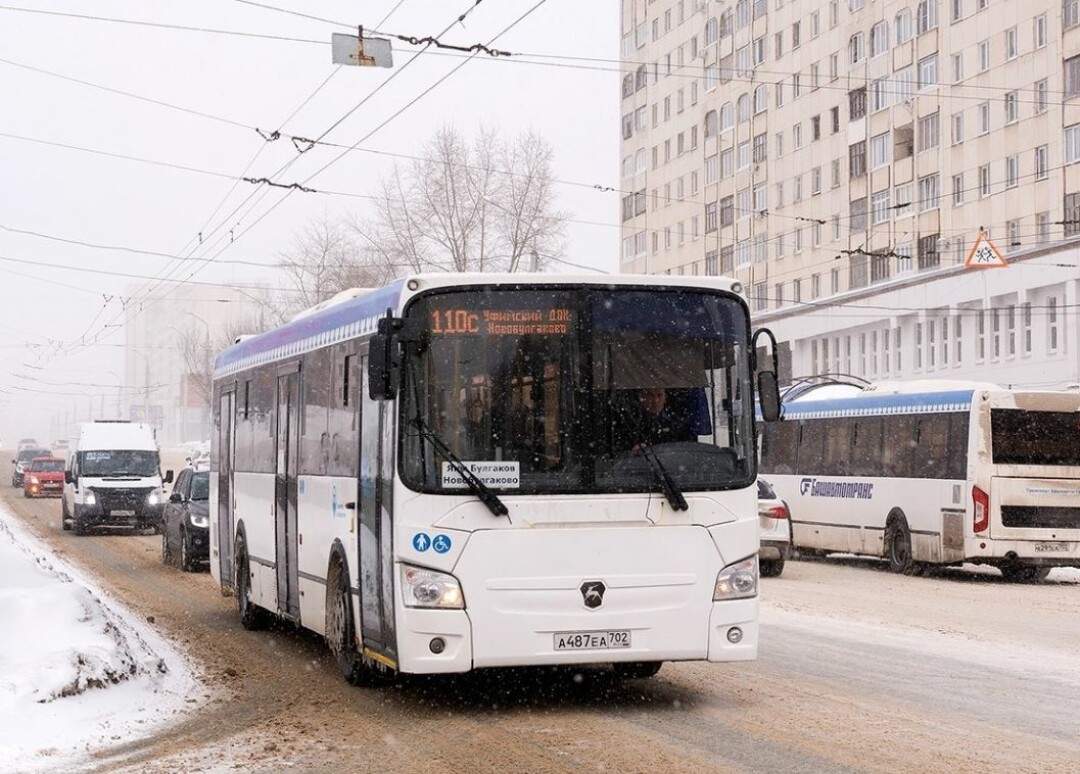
22 464
185 539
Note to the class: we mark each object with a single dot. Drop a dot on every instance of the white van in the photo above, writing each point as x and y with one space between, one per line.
113 477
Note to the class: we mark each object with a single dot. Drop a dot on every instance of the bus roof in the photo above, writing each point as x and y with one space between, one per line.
876 404
351 316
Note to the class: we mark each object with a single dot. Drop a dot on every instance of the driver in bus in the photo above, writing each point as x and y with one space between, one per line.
658 422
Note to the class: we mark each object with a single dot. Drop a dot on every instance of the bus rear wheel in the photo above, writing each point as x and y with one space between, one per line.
1019 573
898 548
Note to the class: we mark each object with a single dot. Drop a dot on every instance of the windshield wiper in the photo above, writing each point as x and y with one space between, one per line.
475 485
671 490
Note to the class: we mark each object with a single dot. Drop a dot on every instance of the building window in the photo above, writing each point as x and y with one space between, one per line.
796 291
879 94
1051 324
856 48
857 214
1012 171
1070 12
857 101
927 132
1040 30
958 189
1072 144
879 39
834 277
1011 50
1071 215
1040 95
815 286
957 128
984 55
902 26
1042 226
980 336
712 267
995 329
1012 111
926 15
918 346
984 118
879 207
1025 330
727 259
880 150
1010 331
984 180
727 211
928 257
928 193
857 160
1072 76
904 201
928 72
835 172
958 338
1012 229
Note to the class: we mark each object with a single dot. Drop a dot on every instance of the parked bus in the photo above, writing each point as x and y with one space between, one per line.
933 473
450 473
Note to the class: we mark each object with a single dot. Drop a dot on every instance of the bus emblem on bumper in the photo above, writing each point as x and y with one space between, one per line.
593 594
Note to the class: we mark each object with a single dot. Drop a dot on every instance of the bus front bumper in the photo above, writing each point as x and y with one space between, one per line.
442 641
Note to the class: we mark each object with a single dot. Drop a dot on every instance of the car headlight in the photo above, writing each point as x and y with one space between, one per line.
737 581
199 521
90 499
33 480
430 588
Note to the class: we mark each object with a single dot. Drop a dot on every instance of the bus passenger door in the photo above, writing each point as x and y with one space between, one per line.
374 535
285 491
226 426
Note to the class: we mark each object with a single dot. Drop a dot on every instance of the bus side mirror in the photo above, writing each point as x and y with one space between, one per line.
768 383
68 478
384 355
383 368
168 477
768 396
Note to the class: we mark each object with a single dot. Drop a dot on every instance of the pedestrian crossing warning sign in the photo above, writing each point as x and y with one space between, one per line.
984 255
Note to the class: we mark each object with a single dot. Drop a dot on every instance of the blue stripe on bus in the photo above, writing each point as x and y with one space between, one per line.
872 404
356 317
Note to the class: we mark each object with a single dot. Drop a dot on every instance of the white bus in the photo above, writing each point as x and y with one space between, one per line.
443 474
926 473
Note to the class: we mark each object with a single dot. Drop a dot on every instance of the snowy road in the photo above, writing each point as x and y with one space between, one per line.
860 670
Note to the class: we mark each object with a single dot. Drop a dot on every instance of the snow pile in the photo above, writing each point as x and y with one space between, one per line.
76 672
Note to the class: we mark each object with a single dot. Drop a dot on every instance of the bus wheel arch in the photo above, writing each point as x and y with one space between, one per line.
898 548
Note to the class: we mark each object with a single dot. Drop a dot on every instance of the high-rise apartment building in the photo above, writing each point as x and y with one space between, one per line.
841 158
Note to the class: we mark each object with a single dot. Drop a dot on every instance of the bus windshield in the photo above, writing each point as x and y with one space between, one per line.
579 390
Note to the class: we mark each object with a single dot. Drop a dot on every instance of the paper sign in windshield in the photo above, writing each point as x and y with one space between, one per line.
502 475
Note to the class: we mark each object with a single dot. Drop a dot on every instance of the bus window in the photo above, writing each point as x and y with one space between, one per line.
779 442
837 452
931 458
867 446
811 447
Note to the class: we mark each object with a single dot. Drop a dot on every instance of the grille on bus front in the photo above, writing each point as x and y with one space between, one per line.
1040 517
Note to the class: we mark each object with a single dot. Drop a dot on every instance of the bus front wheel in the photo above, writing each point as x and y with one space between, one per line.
251 615
898 548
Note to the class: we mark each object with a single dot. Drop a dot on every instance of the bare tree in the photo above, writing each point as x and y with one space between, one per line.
324 259
487 207
199 347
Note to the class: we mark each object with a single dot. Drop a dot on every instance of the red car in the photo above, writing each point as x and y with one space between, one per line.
44 476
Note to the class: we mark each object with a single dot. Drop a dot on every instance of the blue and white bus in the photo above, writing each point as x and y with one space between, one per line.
932 473
441 474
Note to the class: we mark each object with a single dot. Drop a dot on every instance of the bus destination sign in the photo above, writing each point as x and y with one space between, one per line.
502 322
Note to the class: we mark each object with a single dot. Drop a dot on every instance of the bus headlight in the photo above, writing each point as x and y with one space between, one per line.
737 581
90 499
430 588
153 499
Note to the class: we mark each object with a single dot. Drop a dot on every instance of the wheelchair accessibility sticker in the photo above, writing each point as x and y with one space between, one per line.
440 543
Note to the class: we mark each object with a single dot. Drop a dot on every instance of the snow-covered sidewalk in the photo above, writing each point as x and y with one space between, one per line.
77 672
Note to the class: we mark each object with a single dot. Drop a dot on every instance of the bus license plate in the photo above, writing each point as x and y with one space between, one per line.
604 640
1052 548
121 513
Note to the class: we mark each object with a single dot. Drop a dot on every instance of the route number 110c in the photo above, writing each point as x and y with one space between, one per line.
455 321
